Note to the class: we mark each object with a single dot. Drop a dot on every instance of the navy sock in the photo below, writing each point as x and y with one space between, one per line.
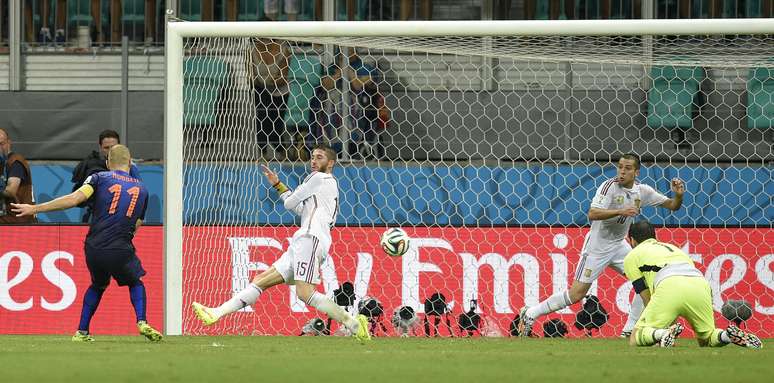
137 295
90 303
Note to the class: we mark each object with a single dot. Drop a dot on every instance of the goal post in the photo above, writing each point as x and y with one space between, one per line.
231 157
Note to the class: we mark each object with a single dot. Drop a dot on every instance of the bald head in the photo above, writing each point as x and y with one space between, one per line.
119 157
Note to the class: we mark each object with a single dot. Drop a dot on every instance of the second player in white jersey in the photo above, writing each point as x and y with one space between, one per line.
316 200
613 195
617 202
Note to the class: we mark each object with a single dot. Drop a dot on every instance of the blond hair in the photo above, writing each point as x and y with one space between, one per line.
119 156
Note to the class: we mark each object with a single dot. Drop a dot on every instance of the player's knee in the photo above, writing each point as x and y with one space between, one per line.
98 287
577 295
304 292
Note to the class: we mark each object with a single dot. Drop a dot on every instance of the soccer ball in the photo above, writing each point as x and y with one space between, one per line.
395 242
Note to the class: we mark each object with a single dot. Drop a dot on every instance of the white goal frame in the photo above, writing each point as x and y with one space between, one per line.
173 122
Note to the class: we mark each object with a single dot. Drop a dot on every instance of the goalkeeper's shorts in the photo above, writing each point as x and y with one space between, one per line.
681 296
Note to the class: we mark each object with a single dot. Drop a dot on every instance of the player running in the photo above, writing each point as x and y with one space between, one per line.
671 287
118 206
612 210
316 200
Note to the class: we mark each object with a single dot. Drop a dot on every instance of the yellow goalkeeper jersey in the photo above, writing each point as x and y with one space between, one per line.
652 261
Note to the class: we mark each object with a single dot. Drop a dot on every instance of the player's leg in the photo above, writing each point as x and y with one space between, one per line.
636 307
128 271
700 314
657 322
308 257
273 276
100 279
587 271
308 293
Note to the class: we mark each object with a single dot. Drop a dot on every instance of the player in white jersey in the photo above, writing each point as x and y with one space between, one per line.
617 202
316 200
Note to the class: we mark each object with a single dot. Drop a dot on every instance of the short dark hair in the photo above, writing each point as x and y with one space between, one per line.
329 152
108 133
632 157
642 230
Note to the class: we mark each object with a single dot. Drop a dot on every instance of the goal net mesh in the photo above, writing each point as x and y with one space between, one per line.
487 151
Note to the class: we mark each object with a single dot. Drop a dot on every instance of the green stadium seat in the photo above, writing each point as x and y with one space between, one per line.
760 98
754 8
303 76
133 11
671 97
204 77
79 12
250 10
542 10
361 13
191 10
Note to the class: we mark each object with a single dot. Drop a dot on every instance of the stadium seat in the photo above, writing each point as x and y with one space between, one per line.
133 11
754 8
671 97
79 12
250 10
191 10
361 13
303 77
760 98
204 78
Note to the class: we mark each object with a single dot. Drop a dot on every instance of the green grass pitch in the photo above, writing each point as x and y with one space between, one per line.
258 359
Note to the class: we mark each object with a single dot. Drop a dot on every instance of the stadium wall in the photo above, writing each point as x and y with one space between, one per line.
441 195
540 123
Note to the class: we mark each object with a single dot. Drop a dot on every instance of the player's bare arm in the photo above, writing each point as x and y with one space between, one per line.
677 187
11 188
64 202
597 214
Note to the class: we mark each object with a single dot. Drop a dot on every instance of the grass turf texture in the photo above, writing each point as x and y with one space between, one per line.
304 359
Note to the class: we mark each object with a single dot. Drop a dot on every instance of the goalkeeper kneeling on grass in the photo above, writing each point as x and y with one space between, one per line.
672 287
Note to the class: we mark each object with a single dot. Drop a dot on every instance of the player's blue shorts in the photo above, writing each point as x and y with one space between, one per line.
121 265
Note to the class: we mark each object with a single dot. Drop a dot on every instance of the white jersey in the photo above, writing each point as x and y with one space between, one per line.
606 234
316 200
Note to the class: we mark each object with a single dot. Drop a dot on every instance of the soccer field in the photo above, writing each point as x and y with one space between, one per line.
304 359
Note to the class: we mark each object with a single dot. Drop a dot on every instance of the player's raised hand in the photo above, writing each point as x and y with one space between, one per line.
270 175
22 209
678 186
629 211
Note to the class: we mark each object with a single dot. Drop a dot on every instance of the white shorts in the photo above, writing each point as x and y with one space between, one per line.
302 260
592 264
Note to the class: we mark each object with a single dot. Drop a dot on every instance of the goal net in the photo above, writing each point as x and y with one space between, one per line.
487 148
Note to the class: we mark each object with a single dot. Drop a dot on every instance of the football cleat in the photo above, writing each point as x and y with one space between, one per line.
525 323
625 334
668 340
362 333
82 336
204 314
744 339
149 332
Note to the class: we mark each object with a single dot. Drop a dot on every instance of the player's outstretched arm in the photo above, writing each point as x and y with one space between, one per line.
598 214
283 191
64 202
674 203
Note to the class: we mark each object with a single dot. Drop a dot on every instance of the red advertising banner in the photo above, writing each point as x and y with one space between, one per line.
43 277
501 268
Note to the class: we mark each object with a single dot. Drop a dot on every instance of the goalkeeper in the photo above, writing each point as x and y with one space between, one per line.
671 287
